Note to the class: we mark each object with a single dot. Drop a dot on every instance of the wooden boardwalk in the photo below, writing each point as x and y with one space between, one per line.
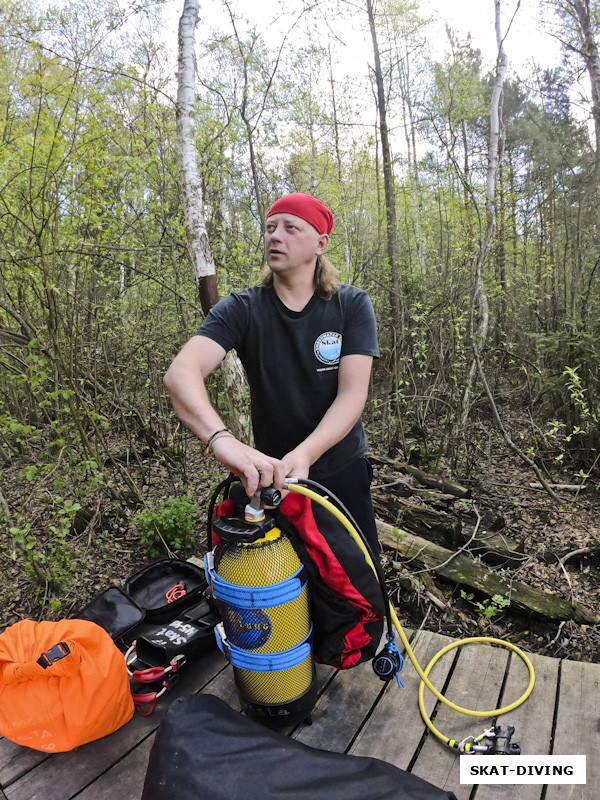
358 714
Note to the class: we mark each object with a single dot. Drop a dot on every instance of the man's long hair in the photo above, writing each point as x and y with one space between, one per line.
326 281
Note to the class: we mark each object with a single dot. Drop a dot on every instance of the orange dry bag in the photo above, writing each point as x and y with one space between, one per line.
61 684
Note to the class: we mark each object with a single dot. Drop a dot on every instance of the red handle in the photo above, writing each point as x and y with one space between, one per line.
145 703
148 675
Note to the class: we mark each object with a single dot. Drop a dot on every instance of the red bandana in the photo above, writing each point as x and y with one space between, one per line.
307 208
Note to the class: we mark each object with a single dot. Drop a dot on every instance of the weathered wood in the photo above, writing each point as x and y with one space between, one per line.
394 730
431 481
358 714
439 526
339 712
131 770
463 570
496 549
531 721
128 775
475 684
561 487
402 488
577 726
447 531
16 760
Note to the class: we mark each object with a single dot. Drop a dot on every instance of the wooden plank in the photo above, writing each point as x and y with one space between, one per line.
64 774
125 780
127 776
475 683
341 709
532 722
16 760
394 729
577 727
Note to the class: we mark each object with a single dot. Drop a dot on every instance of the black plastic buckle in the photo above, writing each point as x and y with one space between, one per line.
55 653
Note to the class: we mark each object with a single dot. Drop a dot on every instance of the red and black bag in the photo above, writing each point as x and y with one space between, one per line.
346 598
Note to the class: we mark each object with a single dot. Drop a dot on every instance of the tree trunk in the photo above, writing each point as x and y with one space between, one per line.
591 57
203 265
464 571
338 158
479 301
388 177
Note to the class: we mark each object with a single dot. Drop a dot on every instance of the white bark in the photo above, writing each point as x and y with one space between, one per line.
203 264
479 304
191 187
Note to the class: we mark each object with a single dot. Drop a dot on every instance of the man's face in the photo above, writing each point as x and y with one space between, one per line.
292 243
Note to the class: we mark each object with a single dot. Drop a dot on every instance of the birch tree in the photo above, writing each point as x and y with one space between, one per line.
203 265
479 302
479 317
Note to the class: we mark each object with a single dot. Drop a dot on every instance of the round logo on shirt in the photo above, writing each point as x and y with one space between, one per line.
328 347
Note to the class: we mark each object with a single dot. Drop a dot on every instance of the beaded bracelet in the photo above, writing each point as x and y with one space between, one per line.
221 431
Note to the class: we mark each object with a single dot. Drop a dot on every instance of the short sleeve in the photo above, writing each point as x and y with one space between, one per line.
360 330
226 323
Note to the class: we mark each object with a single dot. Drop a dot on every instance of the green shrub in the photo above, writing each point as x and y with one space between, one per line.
169 528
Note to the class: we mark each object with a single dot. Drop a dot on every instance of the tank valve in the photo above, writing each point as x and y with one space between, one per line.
270 497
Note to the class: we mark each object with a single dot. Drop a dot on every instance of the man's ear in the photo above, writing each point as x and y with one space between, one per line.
323 243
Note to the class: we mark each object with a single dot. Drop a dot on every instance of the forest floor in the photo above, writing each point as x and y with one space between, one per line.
547 531
101 548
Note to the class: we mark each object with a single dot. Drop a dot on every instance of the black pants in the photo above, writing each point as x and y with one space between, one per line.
352 486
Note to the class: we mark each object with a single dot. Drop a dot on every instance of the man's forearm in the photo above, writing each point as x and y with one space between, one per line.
190 400
338 421
184 381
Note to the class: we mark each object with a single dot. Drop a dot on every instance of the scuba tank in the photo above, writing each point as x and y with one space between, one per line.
261 590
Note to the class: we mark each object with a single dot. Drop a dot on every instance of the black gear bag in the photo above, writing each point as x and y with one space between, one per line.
204 750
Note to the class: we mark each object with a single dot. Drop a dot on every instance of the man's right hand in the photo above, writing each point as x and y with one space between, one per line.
253 468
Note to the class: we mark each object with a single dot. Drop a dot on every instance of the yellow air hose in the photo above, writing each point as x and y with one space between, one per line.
425 682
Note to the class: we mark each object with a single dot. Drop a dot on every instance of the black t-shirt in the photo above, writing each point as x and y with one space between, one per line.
291 359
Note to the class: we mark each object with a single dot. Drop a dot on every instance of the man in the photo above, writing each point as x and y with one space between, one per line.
307 344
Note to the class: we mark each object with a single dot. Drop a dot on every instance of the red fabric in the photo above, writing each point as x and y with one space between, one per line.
297 509
222 509
307 208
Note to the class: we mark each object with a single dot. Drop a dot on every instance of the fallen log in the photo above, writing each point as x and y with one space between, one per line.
446 530
425 479
401 488
432 523
463 570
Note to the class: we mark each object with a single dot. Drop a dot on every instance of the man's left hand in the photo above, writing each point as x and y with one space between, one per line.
296 464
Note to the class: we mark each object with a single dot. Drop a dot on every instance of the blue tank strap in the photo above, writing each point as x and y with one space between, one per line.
261 662
252 596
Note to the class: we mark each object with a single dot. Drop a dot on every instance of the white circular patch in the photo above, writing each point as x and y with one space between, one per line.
328 347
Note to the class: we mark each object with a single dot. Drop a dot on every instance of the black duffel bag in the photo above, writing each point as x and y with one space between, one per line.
204 750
